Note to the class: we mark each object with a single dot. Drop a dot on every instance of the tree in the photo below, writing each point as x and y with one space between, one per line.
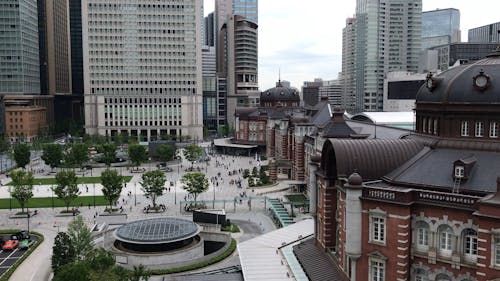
52 155
62 251
108 151
193 152
111 186
80 237
137 154
255 172
77 154
153 184
165 152
139 274
73 271
66 189
4 144
22 186
22 155
264 178
195 183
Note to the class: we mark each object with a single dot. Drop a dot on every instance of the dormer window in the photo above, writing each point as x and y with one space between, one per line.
459 172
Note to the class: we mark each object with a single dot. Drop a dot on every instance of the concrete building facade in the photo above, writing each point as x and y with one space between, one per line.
75 22
238 61
349 100
400 90
142 68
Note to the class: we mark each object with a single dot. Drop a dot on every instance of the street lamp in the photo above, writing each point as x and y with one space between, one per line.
135 194
52 197
94 194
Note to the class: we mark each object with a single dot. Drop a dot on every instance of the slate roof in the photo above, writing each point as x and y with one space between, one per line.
434 168
280 93
456 85
315 262
337 130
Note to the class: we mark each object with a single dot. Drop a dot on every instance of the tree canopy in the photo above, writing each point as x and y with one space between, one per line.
165 152
108 151
80 237
63 251
137 154
195 183
22 155
77 154
66 188
153 184
22 186
193 152
111 186
52 155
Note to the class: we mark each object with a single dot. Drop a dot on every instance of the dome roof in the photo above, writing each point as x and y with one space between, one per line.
476 83
280 93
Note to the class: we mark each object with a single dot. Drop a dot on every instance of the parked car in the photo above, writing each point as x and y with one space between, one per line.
10 245
21 235
24 244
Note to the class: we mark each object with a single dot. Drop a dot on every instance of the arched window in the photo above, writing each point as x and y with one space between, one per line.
421 275
446 236
422 236
469 240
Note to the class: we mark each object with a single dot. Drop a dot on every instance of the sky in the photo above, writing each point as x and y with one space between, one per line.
303 39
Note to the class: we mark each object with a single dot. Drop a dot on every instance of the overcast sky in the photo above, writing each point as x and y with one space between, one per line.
304 38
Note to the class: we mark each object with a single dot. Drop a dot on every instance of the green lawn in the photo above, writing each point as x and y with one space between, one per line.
46 202
81 180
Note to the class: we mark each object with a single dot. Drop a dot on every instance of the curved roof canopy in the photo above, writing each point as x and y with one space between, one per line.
157 231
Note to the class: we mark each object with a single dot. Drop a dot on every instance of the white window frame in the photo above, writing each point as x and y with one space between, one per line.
459 171
496 250
470 247
377 269
423 238
435 126
377 229
464 129
493 129
424 125
446 242
479 130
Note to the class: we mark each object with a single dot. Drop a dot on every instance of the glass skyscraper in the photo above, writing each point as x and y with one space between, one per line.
440 27
485 34
142 68
19 67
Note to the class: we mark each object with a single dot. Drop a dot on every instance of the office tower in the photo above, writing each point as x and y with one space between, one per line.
388 38
55 47
440 27
225 8
310 92
210 105
485 34
349 101
332 91
75 16
19 71
142 68
209 30
461 53
237 60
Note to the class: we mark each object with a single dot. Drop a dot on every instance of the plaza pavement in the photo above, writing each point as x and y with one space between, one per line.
37 266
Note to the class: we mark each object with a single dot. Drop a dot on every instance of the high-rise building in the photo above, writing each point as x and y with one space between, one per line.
75 17
54 46
209 29
461 53
440 27
142 68
19 62
238 61
310 91
349 101
388 38
225 8
210 101
332 91
485 34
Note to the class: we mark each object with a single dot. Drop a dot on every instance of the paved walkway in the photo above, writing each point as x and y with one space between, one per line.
37 266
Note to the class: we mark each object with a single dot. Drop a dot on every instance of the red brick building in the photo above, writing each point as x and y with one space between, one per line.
425 206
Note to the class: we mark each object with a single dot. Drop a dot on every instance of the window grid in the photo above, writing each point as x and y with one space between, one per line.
378 229
497 250
423 237
377 270
479 129
446 238
465 129
493 129
471 245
